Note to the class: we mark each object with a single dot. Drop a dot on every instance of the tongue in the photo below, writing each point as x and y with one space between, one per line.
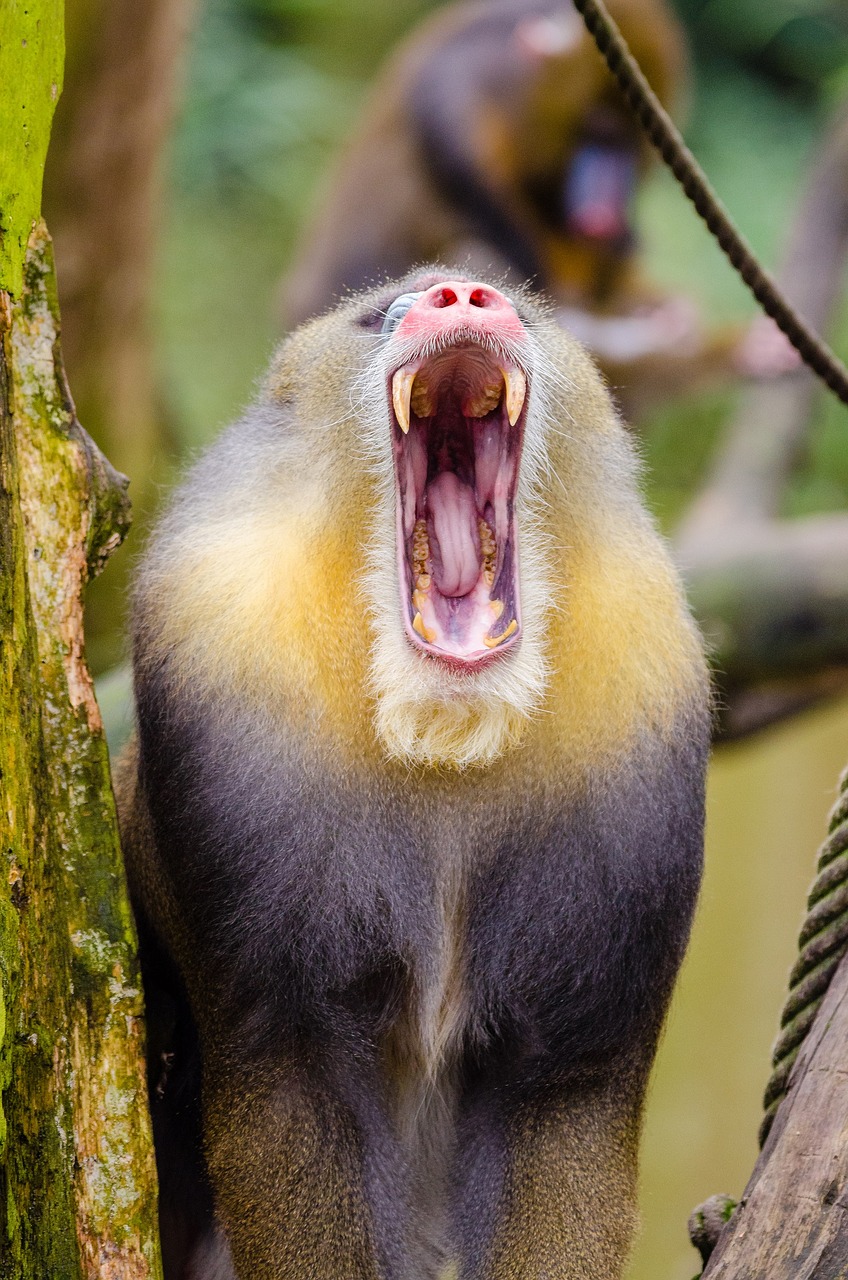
453 514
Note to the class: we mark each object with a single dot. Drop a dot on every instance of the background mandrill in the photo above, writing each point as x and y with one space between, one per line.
414 817
496 136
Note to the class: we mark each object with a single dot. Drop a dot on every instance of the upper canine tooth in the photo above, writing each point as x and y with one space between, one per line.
401 393
516 390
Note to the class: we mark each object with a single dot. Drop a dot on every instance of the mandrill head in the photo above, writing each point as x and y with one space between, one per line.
426 537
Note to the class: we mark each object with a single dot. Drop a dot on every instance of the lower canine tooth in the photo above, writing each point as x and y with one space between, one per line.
424 632
494 641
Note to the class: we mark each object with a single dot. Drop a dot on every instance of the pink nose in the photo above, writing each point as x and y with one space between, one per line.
461 303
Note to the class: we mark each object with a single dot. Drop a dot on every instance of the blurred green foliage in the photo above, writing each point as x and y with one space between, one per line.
801 43
272 89
274 86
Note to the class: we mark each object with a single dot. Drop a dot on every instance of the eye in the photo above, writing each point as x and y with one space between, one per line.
397 311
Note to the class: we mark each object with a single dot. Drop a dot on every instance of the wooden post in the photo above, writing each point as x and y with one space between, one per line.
792 1221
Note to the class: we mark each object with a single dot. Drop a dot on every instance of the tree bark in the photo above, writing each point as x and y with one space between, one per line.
77 1179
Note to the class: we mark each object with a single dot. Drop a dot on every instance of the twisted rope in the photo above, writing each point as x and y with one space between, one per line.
653 118
823 943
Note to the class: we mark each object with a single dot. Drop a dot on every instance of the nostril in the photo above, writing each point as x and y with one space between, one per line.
446 298
480 298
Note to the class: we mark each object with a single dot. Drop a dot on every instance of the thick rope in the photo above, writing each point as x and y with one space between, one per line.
665 137
823 943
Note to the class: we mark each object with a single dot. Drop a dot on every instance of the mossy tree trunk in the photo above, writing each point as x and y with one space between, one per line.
77 1180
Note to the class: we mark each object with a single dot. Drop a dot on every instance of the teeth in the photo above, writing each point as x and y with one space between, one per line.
483 401
409 391
420 547
497 607
420 556
496 640
516 390
422 405
489 548
424 632
401 393
487 539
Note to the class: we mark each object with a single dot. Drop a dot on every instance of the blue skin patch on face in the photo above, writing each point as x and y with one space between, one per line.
598 190
397 311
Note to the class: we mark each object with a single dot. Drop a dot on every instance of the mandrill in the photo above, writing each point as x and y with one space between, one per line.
413 819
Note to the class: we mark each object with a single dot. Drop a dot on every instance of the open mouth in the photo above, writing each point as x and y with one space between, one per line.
458 426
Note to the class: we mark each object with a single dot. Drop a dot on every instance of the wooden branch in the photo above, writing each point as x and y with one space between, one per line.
772 599
744 711
762 442
792 1221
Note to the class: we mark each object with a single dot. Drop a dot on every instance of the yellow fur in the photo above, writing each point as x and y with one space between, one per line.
626 654
270 605
291 595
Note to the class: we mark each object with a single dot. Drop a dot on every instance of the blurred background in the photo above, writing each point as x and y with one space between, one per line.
192 148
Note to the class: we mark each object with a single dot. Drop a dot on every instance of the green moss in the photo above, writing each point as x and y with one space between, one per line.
81 1154
31 53
76 1171
5 1074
